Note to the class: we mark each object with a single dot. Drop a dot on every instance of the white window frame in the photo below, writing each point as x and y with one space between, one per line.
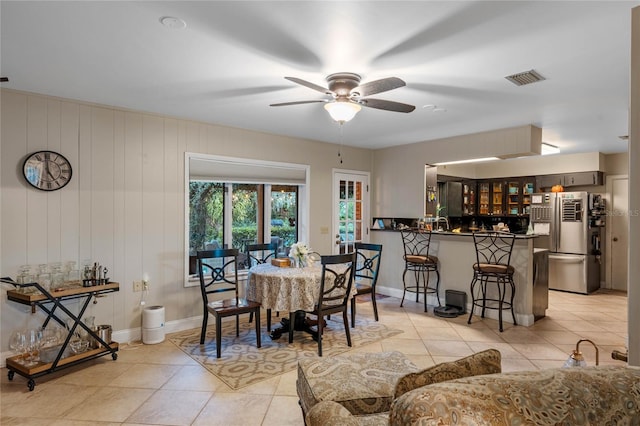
303 195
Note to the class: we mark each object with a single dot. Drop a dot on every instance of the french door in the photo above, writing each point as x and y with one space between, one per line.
350 210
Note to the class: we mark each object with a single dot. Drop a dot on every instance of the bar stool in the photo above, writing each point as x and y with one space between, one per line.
493 257
417 260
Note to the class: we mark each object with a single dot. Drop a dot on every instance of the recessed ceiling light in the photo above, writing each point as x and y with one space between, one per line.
624 137
436 109
173 23
429 106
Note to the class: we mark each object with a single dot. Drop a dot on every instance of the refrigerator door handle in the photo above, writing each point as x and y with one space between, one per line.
567 259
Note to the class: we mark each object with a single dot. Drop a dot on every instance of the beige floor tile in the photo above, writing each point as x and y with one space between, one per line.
478 334
439 333
539 351
558 336
151 376
25 421
234 409
444 348
422 361
406 346
287 384
171 407
517 364
110 404
48 400
520 335
101 373
580 325
195 378
284 411
506 350
163 353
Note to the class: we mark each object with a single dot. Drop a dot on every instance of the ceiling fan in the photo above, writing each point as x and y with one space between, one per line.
348 96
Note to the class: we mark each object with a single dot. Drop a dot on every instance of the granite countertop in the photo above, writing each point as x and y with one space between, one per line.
459 234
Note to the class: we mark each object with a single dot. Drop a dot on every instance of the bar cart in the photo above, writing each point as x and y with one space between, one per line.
34 295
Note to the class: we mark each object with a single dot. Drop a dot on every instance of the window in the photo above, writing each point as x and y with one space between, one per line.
233 202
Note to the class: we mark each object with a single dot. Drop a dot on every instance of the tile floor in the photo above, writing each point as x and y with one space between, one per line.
160 385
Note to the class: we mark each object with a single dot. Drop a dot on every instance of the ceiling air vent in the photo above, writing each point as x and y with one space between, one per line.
526 77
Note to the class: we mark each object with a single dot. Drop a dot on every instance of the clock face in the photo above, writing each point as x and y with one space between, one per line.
47 170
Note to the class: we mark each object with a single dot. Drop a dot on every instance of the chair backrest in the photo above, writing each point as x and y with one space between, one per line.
416 242
493 248
337 279
368 257
261 253
218 271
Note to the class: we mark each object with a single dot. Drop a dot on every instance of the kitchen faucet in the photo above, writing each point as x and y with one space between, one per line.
446 222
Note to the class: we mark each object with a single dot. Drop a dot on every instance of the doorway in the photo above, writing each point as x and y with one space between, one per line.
617 257
350 210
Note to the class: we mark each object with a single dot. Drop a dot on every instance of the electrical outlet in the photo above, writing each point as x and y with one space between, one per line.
145 285
138 285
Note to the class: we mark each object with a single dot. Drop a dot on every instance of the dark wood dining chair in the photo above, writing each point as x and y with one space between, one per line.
335 288
218 273
368 257
258 254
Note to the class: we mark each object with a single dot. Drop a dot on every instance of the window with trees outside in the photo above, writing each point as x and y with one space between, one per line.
231 211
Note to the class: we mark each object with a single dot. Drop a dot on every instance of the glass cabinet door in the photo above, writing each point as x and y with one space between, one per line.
497 198
527 190
483 200
468 198
513 198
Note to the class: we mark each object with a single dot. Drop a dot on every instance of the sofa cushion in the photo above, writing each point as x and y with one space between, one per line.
575 396
485 362
362 383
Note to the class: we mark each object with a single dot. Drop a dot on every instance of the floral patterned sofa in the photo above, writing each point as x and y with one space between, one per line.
577 396
365 385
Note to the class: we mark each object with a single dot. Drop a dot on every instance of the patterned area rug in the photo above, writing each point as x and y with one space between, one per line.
243 364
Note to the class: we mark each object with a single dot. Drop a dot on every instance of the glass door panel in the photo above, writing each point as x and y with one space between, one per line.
351 211
497 198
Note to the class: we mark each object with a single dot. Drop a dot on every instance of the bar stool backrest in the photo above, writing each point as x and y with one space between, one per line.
493 248
416 242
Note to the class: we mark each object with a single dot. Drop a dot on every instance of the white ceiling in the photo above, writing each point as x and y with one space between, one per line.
228 65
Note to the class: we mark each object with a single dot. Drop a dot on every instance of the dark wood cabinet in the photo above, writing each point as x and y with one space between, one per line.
469 198
491 197
518 199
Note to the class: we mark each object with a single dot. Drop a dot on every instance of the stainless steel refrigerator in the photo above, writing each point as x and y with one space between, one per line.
569 224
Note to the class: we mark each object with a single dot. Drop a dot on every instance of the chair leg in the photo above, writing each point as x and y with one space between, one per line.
268 319
203 332
483 287
375 305
292 320
320 331
501 291
438 286
218 336
353 311
238 325
474 281
346 326
404 284
426 288
513 293
258 339
250 317
416 275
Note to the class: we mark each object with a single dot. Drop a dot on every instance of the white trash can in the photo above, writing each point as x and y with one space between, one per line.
153 325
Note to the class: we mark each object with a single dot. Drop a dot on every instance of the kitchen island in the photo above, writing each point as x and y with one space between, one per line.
456 255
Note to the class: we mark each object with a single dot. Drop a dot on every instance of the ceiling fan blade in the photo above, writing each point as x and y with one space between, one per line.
310 85
386 105
298 102
379 86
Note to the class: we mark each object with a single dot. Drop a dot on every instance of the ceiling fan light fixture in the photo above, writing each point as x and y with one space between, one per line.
342 111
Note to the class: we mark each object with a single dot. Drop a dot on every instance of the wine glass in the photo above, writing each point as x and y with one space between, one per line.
17 342
33 339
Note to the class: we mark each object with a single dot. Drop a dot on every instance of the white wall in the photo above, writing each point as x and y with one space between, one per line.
124 204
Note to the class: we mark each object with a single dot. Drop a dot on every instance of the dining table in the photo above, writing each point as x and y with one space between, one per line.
287 289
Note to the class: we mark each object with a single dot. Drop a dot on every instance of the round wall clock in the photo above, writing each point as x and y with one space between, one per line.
47 170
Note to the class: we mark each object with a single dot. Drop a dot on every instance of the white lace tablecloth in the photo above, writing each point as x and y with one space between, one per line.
285 289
